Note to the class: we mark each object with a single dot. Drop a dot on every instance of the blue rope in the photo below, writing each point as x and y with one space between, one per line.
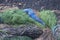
31 13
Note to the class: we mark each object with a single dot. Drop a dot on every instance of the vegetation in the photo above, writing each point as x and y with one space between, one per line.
48 17
15 17
19 17
18 38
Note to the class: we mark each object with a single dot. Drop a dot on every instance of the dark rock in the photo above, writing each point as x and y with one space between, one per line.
47 35
22 30
58 22
57 32
30 30
18 38
36 4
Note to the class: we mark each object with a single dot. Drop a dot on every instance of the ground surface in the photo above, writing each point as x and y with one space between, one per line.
47 35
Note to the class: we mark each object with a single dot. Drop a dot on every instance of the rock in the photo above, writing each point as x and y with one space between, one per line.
57 32
30 31
22 30
36 4
58 22
4 26
18 38
47 35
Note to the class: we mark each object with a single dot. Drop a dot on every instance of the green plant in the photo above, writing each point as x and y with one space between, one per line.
19 17
48 17
16 17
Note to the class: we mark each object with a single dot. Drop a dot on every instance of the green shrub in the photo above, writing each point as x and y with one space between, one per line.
16 17
48 17
19 17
